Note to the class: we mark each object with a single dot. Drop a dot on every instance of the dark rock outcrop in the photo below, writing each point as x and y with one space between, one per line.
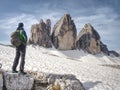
104 48
89 40
64 33
40 34
114 53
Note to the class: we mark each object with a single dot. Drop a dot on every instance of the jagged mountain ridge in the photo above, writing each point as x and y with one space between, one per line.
64 37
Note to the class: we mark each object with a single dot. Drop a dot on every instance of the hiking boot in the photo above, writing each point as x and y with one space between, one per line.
14 71
22 72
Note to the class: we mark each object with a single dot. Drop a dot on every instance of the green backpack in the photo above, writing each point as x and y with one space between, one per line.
15 38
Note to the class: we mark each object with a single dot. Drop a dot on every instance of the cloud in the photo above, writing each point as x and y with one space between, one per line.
9 24
104 19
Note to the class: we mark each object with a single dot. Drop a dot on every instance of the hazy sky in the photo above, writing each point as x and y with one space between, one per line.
104 15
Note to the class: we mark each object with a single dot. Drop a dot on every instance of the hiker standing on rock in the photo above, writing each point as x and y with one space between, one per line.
20 50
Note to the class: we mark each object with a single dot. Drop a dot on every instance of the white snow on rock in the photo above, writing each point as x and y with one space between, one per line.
97 72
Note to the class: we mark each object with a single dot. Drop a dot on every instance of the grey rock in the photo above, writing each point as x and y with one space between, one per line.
64 33
104 48
62 84
89 40
44 81
18 82
114 53
39 81
40 34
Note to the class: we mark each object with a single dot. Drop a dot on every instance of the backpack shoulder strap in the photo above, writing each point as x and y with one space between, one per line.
22 36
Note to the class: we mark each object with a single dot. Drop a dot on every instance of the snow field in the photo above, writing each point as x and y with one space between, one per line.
86 67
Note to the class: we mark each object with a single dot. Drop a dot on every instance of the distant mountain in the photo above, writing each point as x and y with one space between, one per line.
40 34
64 33
64 36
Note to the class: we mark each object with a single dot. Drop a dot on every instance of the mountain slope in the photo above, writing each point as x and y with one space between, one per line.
95 72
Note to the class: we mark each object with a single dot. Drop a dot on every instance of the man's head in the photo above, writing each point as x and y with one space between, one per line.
20 25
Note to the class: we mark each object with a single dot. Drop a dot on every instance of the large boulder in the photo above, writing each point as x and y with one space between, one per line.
40 34
89 40
64 33
39 81
62 84
56 82
18 82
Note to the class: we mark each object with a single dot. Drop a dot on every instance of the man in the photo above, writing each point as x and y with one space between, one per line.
20 50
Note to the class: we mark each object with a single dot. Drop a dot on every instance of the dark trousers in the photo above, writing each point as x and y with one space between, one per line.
20 51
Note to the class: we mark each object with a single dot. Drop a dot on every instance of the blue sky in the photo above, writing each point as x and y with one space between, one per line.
104 15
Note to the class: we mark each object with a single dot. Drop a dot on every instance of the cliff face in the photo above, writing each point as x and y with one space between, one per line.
64 33
40 34
89 40
38 81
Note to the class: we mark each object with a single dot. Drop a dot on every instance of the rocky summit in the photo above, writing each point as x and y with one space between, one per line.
64 33
89 40
40 34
